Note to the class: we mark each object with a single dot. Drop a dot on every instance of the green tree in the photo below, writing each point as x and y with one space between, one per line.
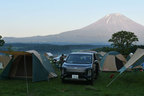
2 42
123 39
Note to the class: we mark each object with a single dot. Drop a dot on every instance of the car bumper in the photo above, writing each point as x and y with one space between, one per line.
81 76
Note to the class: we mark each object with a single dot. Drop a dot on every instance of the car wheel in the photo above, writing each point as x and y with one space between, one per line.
92 79
97 71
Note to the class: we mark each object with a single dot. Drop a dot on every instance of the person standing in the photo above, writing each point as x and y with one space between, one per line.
61 61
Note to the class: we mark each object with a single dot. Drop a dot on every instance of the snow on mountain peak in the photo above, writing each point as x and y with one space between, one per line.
113 15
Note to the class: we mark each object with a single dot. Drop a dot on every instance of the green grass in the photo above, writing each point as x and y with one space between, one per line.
128 84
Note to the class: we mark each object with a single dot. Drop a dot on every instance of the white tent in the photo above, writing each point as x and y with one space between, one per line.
48 55
135 60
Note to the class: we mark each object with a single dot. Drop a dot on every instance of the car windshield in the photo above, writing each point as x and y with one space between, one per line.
79 59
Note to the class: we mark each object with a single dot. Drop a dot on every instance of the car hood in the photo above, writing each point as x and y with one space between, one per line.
77 65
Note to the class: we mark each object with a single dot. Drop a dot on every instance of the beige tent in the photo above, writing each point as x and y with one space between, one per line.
112 61
136 60
136 67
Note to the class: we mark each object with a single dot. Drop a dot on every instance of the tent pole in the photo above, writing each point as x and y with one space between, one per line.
26 75
113 80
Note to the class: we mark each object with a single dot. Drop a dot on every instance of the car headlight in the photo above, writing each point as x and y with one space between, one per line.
89 72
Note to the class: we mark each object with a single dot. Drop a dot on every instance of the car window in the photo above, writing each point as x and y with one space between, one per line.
79 59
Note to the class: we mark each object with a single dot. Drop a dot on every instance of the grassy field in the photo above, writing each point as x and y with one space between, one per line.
128 84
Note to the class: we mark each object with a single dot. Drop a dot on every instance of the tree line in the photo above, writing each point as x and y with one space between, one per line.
122 41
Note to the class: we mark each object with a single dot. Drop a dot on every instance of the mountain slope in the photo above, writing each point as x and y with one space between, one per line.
97 33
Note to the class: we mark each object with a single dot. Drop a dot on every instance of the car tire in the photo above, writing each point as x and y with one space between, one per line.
97 71
92 79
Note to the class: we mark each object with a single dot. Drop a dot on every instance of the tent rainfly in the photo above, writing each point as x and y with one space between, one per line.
25 65
112 61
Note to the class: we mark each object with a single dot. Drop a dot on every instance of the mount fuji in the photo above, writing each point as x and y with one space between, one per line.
98 32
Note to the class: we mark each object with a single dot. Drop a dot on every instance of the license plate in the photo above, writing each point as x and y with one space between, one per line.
75 76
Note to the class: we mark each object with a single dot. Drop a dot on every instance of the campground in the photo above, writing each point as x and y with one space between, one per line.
127 84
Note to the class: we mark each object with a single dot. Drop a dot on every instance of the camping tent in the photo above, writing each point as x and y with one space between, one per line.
135 60
25 65
4 59
49 55
49 66
101 54
112 61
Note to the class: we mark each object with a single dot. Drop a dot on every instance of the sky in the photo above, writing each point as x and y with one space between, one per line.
25 18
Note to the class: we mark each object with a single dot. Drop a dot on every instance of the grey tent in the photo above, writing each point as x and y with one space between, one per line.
48 66
25 65
112 61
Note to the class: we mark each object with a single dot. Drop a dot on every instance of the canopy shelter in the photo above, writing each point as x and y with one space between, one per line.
136 67
112 61
129 56
136 60
25 65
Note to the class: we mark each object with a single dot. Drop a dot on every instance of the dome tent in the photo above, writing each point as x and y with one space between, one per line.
25 65
112 61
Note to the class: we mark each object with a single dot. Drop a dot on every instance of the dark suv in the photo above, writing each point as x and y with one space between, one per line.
80 66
